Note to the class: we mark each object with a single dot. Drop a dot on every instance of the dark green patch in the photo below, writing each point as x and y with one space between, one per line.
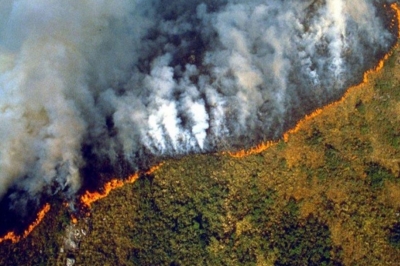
281 145
360 106
394 235
377 174
181 223
302 242
334 160
395 141
315 138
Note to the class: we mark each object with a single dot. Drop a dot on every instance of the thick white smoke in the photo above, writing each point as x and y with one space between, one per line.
104 82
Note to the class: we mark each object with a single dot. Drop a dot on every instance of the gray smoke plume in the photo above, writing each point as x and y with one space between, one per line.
119 81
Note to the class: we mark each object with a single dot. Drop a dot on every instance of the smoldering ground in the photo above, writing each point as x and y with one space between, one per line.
106 86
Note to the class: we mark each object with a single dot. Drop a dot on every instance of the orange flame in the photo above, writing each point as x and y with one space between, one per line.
74 220
89 197
15 238
264 146
254 150
396 8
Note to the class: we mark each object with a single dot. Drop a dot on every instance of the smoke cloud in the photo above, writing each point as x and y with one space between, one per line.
94 83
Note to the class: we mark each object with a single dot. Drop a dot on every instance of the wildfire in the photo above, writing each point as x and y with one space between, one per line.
15 238
74 220
254 150
264 146
89 197
396 8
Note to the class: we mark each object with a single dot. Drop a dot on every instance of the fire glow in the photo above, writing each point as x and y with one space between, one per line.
16 238
90 197
302 123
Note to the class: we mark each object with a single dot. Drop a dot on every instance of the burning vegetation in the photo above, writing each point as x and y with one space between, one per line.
327 193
